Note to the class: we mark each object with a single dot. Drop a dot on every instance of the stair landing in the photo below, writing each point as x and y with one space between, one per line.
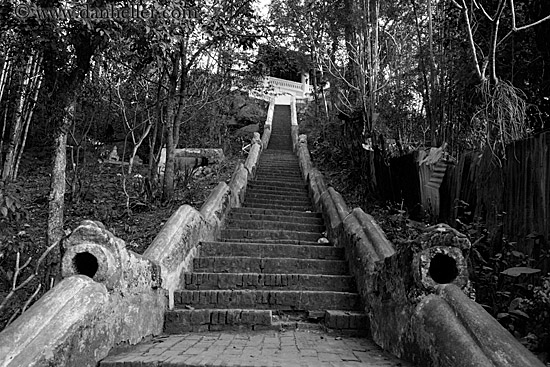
268 348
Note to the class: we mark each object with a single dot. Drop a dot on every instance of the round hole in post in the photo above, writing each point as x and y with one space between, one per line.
443 269
85 264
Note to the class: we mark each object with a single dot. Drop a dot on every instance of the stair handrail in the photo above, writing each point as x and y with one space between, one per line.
111 295
415 296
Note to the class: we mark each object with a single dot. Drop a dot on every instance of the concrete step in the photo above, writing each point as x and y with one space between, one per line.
287 196
267 300
283 160
275 218
263 168
310 282
185 321
265 224
279 212
270 241
279 163
269 265
277 189
303 208
272 195
267 176
211 319
280 143
278 172
278 184
274 177
291 250
256 234
251 202
278 155
277 158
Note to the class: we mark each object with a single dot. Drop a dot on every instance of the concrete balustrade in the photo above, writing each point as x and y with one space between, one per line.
304 158
415 296
111 295
252 160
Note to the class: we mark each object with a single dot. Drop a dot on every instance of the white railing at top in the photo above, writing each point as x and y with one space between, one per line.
276 82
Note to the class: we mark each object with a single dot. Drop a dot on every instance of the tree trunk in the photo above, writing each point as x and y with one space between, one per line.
168 192
168 189
29 111
433 125
17 128
56 204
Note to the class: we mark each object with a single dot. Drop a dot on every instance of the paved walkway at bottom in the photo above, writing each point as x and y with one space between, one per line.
267 348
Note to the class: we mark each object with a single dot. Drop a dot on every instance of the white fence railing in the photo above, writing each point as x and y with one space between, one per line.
283 83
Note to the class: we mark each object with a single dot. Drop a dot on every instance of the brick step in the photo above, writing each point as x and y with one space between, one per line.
346 320
276 175
265 224
277 193
290 250
277 184
279 164
277 188
310 282
289 159
303 208
263 169
281 145
280 134
279 139
256 234
271 195
275 218
291 173
278 155
286 196
268 300
273 177
185 321
270 241
306 203
208 319
269 265
282 212
272 174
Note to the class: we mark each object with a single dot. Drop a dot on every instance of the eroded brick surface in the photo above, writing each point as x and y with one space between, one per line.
267 348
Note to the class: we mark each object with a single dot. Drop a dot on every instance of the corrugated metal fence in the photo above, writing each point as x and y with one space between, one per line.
512 194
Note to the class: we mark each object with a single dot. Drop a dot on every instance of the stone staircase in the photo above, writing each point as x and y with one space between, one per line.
270 270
